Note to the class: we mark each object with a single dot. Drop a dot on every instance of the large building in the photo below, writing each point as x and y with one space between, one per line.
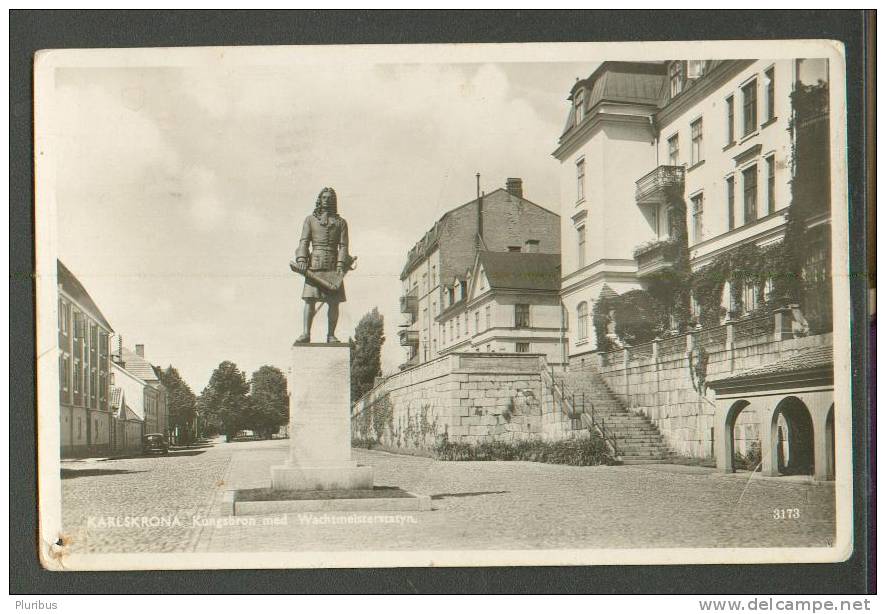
84 367
435 276
716 136
512 305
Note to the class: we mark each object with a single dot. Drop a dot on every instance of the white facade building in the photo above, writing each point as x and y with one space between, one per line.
714 133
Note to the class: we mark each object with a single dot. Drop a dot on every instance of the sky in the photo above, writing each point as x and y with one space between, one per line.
181 190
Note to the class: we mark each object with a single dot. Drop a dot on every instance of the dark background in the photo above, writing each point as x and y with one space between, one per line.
34 30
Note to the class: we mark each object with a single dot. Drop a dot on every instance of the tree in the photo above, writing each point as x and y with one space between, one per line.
366 352
181 402
224 401
268 402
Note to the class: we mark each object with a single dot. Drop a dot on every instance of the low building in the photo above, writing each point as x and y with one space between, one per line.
435 274
84 366
128 407
511 305
156 413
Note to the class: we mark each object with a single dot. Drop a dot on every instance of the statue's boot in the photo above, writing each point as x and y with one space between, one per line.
306 338
332 339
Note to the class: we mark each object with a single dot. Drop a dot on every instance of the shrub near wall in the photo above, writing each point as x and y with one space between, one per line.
582 452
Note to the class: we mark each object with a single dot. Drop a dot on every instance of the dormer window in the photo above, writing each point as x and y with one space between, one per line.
579 102
676 77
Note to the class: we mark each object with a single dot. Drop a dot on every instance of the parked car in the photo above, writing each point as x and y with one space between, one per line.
155 443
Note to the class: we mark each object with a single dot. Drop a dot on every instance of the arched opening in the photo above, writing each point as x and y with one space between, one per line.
742 437
793 433
829 443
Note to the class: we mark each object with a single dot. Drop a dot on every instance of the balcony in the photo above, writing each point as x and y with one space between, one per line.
409 303
655 256
408 336
652 187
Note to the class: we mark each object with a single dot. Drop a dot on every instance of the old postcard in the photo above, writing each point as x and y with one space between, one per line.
523 304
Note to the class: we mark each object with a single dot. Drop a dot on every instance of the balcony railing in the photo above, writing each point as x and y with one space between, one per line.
655 257
409 303
651 186
408 336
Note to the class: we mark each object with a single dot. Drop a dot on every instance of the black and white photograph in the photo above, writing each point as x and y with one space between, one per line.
443 305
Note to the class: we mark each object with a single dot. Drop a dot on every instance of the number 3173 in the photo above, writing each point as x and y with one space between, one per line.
791 513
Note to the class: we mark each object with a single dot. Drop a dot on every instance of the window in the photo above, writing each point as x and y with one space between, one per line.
488 317
697 217
433 275
424 282
79 428
580 180
434 311
521 315
424 318
770 94
730 202
697 68
674 150
770 184
582 238
514 248
750 297
582 319
750 194
730 120
697 153
458 326
676 78
749 95
522 347
579 106
476 321
66 372
451 337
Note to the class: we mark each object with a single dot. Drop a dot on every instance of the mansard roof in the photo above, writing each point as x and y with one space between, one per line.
620 82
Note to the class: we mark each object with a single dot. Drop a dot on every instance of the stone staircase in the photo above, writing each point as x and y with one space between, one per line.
638 440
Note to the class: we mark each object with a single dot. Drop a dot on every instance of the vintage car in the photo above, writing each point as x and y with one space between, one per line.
155 443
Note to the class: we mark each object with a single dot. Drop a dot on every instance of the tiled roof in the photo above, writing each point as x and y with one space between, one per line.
73 288
521 270
116 397
809 359
138 366
128 414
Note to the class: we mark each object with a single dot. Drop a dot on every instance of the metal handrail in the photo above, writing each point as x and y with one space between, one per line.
567 399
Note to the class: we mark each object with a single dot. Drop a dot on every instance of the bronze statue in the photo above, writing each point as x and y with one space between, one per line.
322 257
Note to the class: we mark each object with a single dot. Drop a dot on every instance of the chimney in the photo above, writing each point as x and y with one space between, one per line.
514 185
531 246
140 349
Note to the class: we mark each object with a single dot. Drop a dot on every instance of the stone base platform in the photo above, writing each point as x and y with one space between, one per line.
345 476
263 501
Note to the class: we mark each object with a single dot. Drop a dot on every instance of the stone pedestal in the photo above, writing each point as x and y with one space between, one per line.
320 423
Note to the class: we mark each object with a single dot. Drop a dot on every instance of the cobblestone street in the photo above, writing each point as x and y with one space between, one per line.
475 505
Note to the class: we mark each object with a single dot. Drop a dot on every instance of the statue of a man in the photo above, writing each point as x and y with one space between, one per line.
322 257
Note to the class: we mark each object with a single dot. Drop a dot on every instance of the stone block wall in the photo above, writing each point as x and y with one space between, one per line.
467 398
665 379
